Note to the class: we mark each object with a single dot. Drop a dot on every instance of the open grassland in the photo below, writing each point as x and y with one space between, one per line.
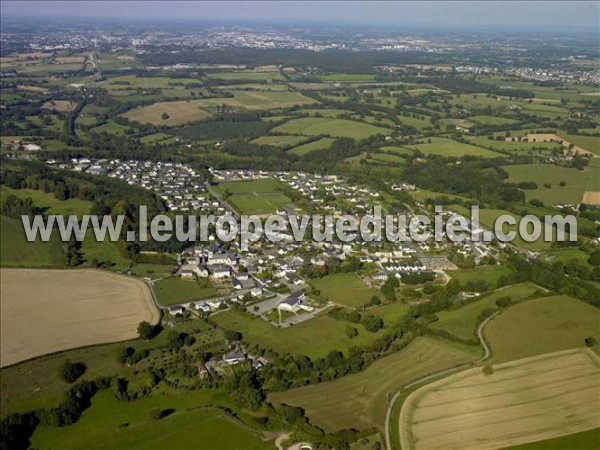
577 181
17 251
321 144
360 400
522 401
462 322
448 147
175 291
540 326
194 423
45 311
345 289
314 338
174 113
314 126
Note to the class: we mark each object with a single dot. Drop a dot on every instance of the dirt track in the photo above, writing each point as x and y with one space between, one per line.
45 311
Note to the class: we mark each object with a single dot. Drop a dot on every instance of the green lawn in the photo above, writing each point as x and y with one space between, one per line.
314 126
175 291
259 197
540 326
314 338
360 400
193 420
345 289
462 322
577 181
261 186
450 148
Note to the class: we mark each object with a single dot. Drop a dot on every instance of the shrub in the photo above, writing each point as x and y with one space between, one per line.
70 372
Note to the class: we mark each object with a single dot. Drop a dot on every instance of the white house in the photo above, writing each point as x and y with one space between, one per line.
177 309
221 271
234 358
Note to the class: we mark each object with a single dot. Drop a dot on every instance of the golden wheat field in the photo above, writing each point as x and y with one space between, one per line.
45 311
528 400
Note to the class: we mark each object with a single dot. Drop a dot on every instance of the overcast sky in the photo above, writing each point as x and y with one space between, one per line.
539 13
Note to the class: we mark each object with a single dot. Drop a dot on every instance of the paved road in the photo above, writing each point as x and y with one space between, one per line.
388 413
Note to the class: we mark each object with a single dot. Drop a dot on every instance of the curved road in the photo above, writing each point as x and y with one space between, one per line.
486 355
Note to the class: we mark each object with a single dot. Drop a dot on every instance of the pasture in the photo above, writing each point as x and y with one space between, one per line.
462 322
450 148
528 400
541 325
360 400
60 105
47 202
97 307
315 126
577 182
345 289
279 141
194 420
314 338
489 274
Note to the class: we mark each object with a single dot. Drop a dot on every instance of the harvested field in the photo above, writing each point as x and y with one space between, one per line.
528 400
177 113
45 311
591 198
60 105
549 137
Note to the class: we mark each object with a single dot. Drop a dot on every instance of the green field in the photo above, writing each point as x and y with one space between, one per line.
462 322
321 144
540 326
247 76
16 251
48 202
413 121
263 196
509 146
586 440
490 274
577 181
491 120
345 289
589 143
450 148
279 141
360 400
314 126
194 420
352 77
175 291
314 338
111 127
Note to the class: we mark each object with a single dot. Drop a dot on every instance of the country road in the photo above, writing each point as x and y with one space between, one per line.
388 413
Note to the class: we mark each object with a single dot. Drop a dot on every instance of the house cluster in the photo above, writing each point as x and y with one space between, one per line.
221 364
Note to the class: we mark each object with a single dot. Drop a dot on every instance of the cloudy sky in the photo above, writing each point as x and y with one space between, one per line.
537 13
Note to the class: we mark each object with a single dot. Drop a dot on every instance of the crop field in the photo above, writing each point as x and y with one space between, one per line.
448 147
349 77
512 146
175 291
589 143
549 137
462 322
345 289
194 420
248 76
540 326
579 441
528 400
314 338
280 141
321 144
177 113
314 126
577 181
134 82
325 112
360 400
98 307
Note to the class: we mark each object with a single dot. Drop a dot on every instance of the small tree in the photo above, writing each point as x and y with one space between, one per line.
70 372
165 116
488 370
590 341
